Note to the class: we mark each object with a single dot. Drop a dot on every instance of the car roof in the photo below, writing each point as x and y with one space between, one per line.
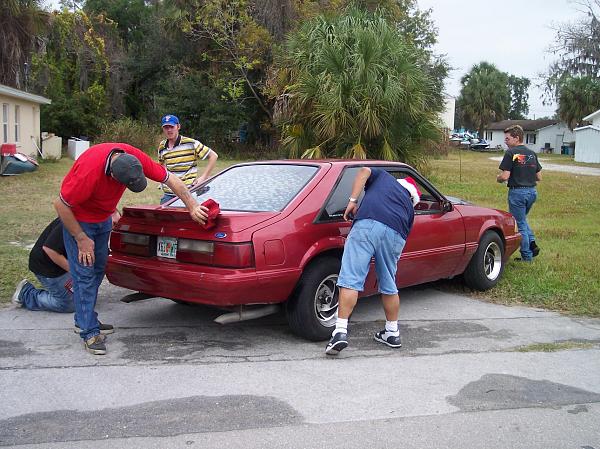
323 162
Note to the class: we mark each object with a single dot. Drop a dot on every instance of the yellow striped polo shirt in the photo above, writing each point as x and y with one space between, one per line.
182 159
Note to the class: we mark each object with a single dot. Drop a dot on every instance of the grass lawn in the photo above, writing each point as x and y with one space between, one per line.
566 220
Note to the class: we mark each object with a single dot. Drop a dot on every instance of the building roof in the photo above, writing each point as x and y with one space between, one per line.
527 125
581 128
592 116
16 93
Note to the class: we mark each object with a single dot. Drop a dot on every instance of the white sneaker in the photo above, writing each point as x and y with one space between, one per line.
15 297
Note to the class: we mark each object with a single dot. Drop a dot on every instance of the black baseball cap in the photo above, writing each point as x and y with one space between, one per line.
127 169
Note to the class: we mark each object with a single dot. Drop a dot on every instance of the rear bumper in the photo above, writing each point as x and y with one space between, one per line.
200 284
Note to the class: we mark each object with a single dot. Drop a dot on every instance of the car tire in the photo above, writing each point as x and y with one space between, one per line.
311 311
487 264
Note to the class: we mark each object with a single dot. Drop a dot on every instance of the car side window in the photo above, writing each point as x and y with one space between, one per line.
338 199
429 204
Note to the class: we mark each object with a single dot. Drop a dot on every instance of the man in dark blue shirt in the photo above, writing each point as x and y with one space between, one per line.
380 229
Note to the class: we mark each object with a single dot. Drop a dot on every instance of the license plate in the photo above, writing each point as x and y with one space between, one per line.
166 247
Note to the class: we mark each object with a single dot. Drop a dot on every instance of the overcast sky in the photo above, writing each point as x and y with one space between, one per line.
511 34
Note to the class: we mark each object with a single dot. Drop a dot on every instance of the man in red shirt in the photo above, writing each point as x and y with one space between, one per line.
89 195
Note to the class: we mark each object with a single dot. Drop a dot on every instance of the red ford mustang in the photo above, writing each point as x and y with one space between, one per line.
280 236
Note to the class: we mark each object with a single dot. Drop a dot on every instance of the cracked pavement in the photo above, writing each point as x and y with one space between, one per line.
466 376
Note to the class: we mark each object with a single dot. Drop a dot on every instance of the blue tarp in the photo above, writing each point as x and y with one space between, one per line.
16 164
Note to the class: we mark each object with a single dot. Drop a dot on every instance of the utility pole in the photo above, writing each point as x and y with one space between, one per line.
26 72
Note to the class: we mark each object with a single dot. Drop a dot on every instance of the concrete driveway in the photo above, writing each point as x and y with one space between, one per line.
174 379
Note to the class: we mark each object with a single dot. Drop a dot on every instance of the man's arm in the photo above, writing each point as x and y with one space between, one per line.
357 187
57 258
503 176
538 176
197 212
85 245
210 165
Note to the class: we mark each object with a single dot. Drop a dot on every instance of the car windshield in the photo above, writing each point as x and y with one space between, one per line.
255 188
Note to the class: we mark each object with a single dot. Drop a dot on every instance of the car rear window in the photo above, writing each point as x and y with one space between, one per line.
255 188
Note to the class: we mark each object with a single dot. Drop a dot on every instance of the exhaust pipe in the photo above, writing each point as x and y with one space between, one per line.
244 314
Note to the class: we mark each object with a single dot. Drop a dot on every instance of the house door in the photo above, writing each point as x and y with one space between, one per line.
559 143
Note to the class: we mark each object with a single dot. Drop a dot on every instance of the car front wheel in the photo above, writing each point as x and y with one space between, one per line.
487 264
311 311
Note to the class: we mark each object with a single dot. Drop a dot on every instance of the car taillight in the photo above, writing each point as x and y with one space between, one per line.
127 242
220 254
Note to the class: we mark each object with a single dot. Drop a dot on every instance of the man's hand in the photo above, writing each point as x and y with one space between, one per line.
199 214
116 216
85 245
503 176
350 211
199 180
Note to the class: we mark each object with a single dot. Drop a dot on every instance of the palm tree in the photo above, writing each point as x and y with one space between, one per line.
578 97
355 89
20 23
485 96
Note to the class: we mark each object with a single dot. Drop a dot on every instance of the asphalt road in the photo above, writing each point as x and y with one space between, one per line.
174 379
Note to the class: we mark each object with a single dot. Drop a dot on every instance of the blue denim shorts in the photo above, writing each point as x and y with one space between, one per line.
367 239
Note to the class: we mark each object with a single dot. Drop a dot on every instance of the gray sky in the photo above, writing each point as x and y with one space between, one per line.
511 34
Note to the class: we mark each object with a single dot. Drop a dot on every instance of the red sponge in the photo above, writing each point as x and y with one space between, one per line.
213 212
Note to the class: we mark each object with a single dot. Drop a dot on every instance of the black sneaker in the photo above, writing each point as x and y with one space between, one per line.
338 342
105 329
388 338
534 248
96 345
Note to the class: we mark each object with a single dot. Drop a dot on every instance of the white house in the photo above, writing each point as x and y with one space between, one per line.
539 134
588 139
21 119
447 116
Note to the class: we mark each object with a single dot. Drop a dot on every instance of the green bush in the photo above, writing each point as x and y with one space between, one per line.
139 134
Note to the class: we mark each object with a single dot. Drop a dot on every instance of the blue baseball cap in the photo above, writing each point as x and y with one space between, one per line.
169 120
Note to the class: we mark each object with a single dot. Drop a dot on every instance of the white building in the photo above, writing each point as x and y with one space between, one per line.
588 139
447 117
20 117
539 135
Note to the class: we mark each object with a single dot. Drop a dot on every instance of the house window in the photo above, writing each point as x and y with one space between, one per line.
530 138
4 122
17 123
488 135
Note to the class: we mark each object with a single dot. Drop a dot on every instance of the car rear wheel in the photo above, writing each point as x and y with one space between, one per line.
487 264
311 311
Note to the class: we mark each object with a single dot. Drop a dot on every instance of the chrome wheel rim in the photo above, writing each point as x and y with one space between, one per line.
492 261
326 300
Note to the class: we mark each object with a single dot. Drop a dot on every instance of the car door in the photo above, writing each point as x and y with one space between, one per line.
436 242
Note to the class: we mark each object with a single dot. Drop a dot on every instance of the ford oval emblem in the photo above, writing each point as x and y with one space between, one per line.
220 235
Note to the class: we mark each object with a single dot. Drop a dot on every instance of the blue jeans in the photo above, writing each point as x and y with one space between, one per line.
87 280
54 297
519 204
167 197
369 238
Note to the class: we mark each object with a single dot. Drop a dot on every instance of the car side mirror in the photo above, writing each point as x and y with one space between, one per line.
447 206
